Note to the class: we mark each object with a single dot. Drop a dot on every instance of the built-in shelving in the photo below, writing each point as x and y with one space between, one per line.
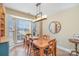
2 23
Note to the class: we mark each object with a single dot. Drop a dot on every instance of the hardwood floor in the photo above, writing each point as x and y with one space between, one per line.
21 51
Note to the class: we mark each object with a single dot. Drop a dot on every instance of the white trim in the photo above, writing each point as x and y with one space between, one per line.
65 49
20 17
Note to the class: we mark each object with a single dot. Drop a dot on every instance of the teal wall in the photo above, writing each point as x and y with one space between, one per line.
4 49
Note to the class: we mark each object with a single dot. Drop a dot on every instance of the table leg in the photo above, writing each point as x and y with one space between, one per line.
41 52
55 49
76 48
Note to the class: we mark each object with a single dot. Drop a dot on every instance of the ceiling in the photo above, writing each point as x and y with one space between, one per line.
47 8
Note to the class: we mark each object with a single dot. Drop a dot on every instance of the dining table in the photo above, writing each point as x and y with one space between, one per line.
41 44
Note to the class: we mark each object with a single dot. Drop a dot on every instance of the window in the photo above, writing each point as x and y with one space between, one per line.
33 28
22 27
17 28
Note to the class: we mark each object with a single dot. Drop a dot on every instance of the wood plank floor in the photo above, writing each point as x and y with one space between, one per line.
20 51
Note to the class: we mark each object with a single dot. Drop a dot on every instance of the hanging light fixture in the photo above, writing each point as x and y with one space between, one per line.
39 15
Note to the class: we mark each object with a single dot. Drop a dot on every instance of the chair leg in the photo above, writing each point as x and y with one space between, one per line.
27 52
53 53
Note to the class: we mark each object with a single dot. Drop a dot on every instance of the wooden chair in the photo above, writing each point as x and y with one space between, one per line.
26 44
52 48
27 47
32 48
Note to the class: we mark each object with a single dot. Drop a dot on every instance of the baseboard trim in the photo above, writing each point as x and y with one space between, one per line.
10 47
64 49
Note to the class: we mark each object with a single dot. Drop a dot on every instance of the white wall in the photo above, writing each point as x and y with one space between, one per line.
69 20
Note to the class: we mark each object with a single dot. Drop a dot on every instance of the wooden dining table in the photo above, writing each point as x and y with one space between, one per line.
41 44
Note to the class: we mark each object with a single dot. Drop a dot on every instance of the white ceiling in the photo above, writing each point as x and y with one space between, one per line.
47 8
